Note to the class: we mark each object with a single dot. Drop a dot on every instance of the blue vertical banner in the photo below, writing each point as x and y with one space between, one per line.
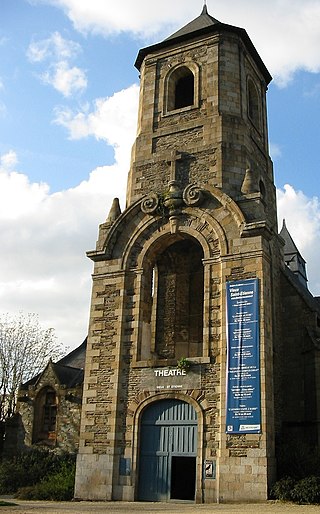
243 358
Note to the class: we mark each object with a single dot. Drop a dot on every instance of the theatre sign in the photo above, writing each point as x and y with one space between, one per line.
171 378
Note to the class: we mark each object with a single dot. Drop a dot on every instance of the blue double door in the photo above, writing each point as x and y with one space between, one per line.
168 450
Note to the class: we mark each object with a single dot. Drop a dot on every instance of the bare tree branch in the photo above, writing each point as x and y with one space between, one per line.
25 349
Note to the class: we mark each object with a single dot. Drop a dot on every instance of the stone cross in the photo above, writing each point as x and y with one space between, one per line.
175 157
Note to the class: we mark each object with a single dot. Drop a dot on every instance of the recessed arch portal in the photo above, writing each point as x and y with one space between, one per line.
172 301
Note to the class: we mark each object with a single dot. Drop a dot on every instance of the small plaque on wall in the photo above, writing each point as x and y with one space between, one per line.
209 469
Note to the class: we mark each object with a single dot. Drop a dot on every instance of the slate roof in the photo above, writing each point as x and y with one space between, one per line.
290 247
69 369
70 377
202 21
76 358
292 256
67 376
201 26
312 301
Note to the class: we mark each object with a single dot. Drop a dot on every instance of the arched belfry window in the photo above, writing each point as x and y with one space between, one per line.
253 104
181 89
173 303
45 416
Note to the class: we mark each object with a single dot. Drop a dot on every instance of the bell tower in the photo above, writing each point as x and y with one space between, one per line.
183 312
203 98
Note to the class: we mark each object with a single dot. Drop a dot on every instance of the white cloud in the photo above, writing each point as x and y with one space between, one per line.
43 264
275 151
8 160
286 33
112 119
45 235
65 79
302 216
55 47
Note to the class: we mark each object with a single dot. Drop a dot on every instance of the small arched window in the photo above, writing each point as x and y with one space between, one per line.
45 416
181 89
253 104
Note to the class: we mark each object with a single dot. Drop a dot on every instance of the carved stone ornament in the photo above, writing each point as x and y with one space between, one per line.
150 204
193 195
174 200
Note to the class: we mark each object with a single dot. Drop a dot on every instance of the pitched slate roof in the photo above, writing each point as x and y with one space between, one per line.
201 22
68 370
67 376
201 26
292 256
289 246
70 377
76 358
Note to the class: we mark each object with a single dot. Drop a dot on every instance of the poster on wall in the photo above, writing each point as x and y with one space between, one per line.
243 358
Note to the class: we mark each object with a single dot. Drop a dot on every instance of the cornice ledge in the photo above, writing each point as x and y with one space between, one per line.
96 255
257 228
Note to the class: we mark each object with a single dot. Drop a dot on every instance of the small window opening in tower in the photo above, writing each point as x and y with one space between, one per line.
153 278
181 89
184 91
262 188
253 104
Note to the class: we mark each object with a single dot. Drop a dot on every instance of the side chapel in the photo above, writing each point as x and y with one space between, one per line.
203 345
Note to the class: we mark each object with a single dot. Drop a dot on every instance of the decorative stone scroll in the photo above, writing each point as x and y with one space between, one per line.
173 200
193 195
150 204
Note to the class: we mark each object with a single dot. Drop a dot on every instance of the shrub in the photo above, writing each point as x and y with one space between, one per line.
30 468
58 486
282 490
307 490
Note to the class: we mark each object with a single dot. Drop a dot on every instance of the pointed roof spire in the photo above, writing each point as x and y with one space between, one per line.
292 256
290 247
203 25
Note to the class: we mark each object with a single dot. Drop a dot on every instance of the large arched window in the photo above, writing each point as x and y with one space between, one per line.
181 89
172 299
45 416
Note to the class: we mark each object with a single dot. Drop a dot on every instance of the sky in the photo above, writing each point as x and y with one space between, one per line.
68 112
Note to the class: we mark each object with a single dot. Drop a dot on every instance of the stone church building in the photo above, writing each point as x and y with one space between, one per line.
203 345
